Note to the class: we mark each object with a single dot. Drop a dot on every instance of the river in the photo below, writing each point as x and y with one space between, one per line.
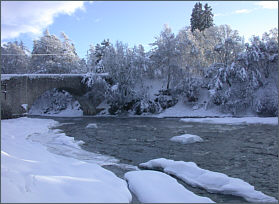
248 152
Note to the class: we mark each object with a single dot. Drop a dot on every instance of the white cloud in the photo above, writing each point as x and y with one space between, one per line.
268 4
18 17
243 11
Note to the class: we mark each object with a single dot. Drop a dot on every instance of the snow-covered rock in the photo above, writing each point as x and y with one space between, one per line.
25 106
157 187
213 182
186 139
31 173
92 125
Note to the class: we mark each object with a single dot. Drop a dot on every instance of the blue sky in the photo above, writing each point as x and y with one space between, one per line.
132 22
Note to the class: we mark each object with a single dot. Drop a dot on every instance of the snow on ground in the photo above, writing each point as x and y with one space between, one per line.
234 121
69 112
157 187
182 110
31 173
92 125
186 139
213 182
153 87
58 143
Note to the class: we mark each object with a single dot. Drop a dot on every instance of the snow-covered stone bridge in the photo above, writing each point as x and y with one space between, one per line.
17 90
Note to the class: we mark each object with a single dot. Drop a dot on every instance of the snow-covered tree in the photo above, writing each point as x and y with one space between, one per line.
249 81
51 55
99 54
91 59
165 54
217 44
123 76
229 44
70 58
14 58
229 87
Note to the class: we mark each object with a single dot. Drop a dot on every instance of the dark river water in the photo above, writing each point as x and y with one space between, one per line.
248 152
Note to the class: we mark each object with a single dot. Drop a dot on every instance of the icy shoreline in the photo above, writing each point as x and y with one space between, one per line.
213 182
192 119
31 173
35 158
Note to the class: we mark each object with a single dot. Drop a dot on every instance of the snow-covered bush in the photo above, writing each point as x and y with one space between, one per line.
166 101
144 106
229 87
266 102
192 89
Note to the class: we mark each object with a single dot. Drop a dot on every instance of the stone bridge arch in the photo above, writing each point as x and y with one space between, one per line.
25 89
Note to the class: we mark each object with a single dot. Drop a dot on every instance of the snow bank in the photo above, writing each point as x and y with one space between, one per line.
69 112
157 187
61 144
213 182
30 173
92 125
186 139
181 110
234 121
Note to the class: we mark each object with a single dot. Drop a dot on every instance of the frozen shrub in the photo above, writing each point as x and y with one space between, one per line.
147 106
267 103
192 89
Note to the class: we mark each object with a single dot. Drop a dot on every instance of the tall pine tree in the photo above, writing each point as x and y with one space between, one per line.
201 19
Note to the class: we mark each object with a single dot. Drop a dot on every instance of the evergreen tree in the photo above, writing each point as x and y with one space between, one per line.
99 54
196 17
201 19
207 17
91 59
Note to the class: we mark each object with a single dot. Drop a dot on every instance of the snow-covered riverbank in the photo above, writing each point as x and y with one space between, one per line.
39 164
31 173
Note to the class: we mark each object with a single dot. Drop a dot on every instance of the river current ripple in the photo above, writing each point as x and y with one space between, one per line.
248 152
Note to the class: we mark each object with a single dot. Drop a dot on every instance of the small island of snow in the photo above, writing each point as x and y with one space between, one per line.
92 125
186 139
157 187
